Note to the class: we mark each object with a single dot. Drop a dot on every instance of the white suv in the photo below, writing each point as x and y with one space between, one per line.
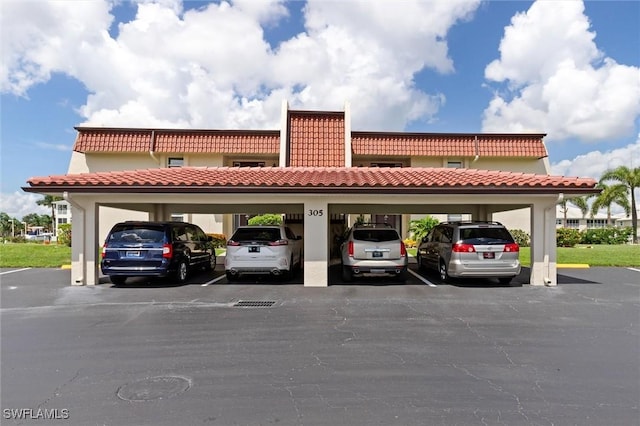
263 249
373 249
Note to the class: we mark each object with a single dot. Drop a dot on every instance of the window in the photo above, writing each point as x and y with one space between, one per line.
558 221
175 162
62 209
573 223
596 223
248 164
62 220
177 218
386 164
454 164
454 218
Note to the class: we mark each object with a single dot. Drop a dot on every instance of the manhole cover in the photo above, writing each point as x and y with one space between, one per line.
153 388
255 303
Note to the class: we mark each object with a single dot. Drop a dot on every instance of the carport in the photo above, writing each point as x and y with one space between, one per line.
317 193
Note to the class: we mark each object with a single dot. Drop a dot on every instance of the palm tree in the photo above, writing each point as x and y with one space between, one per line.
611 194
630 178
48 201
581 203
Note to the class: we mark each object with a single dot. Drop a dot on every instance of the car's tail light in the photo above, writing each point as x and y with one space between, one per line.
104 251
511 248
279 243
350 248
232 243
403 249
167 251
463 248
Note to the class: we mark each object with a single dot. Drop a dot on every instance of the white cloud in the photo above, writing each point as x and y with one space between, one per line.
557 81
20 204
595 163
212 67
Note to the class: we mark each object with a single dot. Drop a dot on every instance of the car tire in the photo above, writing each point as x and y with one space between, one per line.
442 270
211 263
347 274
231 277
420 263
402 276
182 273
117 279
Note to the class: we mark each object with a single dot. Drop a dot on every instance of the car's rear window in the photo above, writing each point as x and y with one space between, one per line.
136 234
256 234
375 235
485 236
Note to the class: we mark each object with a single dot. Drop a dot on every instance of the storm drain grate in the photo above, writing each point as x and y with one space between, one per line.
254 303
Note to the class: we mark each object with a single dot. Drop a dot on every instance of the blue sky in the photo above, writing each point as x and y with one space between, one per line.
566 68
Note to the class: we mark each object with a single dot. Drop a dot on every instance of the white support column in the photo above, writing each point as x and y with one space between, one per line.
92 245
543 245
316 248
84 242
78 276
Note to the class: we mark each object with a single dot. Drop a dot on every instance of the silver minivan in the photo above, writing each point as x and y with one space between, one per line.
470 249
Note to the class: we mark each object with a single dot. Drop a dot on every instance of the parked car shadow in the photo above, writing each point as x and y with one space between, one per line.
335 278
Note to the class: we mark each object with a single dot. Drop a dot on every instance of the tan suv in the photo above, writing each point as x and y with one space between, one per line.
375 249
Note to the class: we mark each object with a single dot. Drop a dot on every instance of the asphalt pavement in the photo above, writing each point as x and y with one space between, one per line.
264 352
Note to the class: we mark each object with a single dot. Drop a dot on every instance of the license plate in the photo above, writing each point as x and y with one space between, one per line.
254 249
489 255
133 254
377 271
376 254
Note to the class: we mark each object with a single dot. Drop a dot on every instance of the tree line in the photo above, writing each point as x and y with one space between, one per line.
618 187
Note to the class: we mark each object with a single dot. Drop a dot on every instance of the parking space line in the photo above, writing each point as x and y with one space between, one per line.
213 281
15 270
634 269
421 278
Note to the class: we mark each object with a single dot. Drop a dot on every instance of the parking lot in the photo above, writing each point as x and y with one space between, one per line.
376 352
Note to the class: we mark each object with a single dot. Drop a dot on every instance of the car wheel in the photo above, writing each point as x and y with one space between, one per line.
402 276
444 274
347 274
505 280
420 263
183 271
118 280
211 264
231 277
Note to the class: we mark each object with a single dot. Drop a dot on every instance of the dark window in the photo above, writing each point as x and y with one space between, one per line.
136 234
290 234
375 235
248 164
175 162
485 235
256 234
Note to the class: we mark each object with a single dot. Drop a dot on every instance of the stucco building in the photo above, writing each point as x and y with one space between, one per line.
317 172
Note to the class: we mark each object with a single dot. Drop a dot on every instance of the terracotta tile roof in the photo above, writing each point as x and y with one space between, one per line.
177 141
316 139
448 145
306 179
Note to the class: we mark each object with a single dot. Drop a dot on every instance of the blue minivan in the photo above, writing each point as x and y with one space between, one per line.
156 249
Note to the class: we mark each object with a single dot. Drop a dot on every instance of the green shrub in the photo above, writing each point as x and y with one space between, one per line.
219 240
522 238
420 228
64 234
609 235
266 219
567 237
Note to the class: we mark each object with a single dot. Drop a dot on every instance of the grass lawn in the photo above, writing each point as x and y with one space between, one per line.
595 255
37 255
34 255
